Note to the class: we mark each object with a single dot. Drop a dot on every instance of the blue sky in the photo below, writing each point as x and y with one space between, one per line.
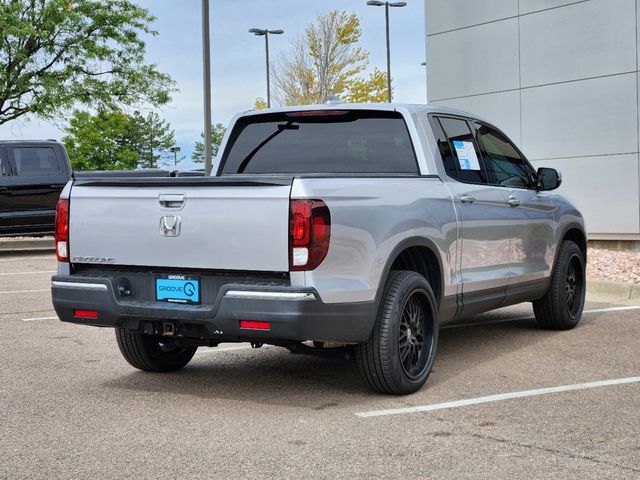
238 71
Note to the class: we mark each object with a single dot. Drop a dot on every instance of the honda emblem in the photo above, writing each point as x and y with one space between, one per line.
170 226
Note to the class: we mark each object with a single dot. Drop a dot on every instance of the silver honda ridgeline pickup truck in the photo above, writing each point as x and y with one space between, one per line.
365 226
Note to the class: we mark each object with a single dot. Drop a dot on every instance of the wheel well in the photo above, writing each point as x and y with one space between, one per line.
423 261
577 237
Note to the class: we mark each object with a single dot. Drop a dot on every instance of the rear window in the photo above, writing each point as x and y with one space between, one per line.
320 142
35 161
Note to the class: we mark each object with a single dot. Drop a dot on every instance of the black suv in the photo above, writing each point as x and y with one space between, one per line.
32 175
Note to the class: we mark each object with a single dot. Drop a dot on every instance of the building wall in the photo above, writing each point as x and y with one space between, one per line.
561 79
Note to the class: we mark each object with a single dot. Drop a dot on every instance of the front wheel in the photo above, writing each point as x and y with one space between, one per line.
152 353
398 357
561 307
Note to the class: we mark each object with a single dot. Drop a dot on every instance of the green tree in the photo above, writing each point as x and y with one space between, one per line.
58 54
113 140
326 61
153 136
217 132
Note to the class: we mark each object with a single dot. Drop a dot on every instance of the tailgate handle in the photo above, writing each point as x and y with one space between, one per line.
172 200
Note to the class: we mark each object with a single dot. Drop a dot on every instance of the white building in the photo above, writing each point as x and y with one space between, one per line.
560 77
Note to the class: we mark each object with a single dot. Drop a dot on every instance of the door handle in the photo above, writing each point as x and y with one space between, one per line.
4 189
514 202
467 199
169 200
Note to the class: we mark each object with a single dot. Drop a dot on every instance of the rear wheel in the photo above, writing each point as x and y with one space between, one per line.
398 357
152 353
561 307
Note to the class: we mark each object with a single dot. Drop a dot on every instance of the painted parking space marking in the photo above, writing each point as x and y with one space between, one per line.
613 309
229 349
498 398
28 258
531 317
35 272
38 319
26 291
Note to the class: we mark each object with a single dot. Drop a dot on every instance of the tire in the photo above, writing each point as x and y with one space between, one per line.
152 353
561 307
396 360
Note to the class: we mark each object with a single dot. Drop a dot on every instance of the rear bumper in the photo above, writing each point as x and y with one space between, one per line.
293 313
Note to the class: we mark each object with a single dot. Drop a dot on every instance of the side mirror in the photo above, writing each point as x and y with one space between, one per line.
548 179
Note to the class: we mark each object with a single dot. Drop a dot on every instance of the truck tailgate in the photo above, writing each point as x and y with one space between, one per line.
204 223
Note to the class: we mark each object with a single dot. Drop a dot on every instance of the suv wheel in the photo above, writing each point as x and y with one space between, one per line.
152 353
561 307
398 357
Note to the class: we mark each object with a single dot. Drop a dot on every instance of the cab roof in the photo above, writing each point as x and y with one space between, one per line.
411 107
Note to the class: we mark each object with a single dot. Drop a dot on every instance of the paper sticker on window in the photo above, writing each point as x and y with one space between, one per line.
467 157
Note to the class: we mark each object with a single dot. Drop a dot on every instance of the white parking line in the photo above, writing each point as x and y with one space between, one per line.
531 317
27 291
27 273
613 309
498 398
228 349
37 319
29 257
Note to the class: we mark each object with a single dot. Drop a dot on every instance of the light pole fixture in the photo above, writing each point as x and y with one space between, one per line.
386 5
426 80
259 32
206 73
175 151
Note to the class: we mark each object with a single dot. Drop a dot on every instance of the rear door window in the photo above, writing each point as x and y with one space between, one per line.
322 142
459 151
35 161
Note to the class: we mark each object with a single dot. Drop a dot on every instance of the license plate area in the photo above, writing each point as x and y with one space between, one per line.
183 289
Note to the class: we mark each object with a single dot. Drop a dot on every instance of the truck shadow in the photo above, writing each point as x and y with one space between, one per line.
273 376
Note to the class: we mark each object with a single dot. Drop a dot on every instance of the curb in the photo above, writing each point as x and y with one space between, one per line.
29 245
612 290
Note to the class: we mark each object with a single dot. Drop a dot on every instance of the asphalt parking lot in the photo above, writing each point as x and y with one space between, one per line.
71 407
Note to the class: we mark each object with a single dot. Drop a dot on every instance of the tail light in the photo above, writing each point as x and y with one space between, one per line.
62 230
309 232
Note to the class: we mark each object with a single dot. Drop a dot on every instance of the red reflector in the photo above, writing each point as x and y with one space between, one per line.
85 314
255 325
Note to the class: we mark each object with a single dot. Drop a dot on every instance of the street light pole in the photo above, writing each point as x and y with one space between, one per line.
260 32
386 6
206 66
266 48
386 21
426 80
175 151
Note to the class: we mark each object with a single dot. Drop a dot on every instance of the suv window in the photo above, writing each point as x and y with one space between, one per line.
505 166
460 154
338 141
35 161
4 166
